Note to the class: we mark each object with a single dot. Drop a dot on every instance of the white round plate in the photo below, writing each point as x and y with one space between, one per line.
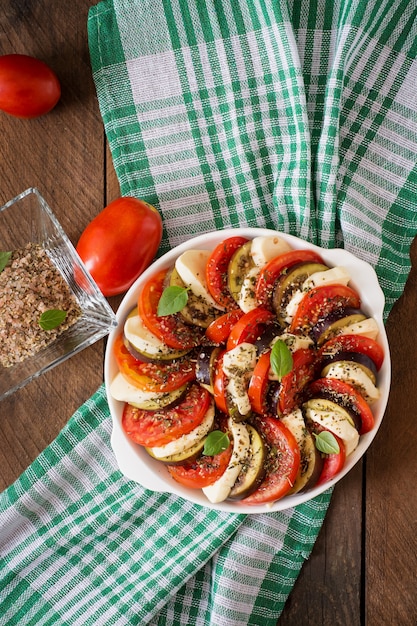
134 461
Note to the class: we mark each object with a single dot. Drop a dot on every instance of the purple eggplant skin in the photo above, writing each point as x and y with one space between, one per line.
206 363
272 397
337 319
355 357
135 353
263 342
315 474
342 400
140 356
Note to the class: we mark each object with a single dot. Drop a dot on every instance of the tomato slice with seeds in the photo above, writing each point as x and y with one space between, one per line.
203 471
168 328
320 302
249 326
347 396
270 273
157 428
282 462
259 383
354 343
216 271
293 384
219 386
218 331
332 463
158 377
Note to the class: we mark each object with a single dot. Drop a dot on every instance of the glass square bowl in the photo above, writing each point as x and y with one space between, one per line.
27 219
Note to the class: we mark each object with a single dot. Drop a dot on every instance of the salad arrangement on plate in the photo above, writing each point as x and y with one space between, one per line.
248 370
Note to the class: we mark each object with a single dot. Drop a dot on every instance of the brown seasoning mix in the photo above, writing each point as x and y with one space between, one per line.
30 284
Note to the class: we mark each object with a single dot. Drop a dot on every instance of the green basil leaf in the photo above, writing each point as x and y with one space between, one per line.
281 359
326 442
4 259
172 300
51 319
216 442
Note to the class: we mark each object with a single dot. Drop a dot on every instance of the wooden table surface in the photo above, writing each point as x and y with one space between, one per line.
363 566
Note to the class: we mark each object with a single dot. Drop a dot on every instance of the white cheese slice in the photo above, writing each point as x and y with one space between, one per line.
122 390
337 422
332 276
219 491
263 249
335 275
291 308
368 328
294 342
247 297
354 375
186 441
191 266
295 423
142 339
238 365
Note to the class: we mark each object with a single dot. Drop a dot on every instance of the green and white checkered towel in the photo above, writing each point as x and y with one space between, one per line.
299 116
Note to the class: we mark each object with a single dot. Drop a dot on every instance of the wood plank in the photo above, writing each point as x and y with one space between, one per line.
391 505
328 590
62 154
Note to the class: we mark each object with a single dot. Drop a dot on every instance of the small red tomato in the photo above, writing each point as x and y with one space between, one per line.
28 87
120 243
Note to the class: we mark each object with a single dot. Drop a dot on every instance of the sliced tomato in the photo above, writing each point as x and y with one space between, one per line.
203 471
157 428
170 329
160 377
354 343
320 302
259 383
270 273
347 396
282 462
218 331
216 270
294 383
249 326
219 386
332 463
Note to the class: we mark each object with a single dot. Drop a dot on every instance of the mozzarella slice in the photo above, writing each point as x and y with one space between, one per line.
263 249
294 342
354 375
238 365
142 339
247 298
291 308
335 275
336 420
191 266
186 441
295 423
219 491
122 390
368 328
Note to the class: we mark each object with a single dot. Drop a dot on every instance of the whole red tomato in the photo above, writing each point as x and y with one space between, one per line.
28 87
120 243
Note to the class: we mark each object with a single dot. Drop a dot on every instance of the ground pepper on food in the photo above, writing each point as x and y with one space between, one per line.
31 284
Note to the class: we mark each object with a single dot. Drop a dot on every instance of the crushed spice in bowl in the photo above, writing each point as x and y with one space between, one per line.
30 286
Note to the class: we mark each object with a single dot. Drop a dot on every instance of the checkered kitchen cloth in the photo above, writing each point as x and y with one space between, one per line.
299 116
